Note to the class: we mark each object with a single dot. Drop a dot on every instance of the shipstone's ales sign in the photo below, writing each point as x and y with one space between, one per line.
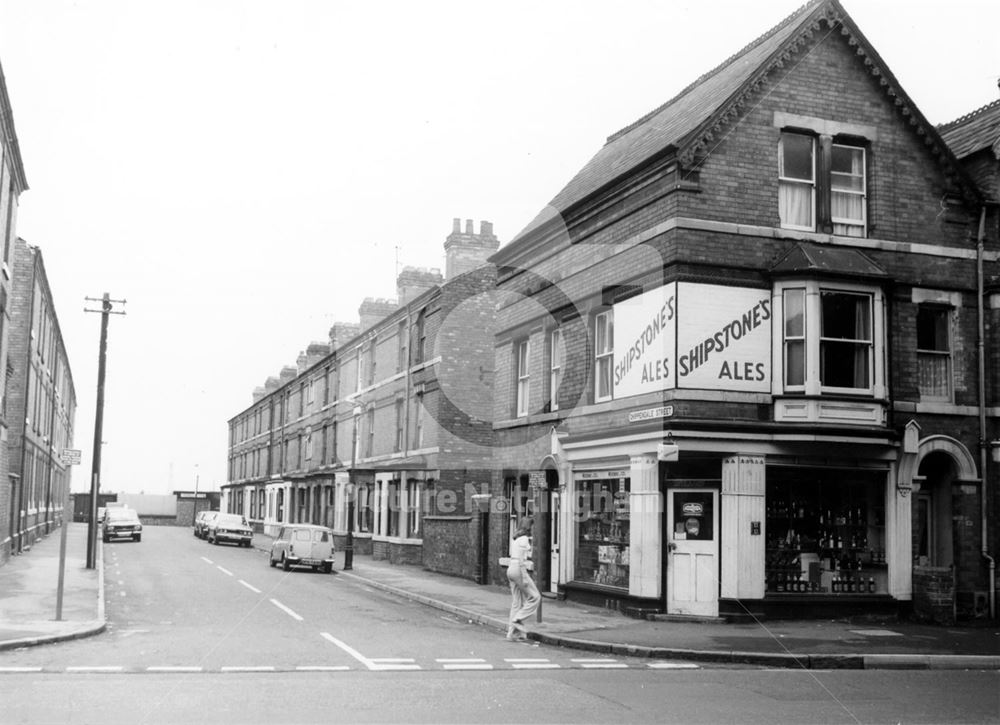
686 335
724 338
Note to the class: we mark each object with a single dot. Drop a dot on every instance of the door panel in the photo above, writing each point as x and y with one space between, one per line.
693 552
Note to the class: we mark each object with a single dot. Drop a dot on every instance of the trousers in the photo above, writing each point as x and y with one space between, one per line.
523 593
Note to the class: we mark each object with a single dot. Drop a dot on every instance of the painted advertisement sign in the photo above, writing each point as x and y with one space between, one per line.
645 337
686 335
724 338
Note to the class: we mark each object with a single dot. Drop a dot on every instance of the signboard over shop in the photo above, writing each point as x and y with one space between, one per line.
686 335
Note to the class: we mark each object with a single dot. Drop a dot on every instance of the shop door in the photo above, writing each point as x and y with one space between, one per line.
554 541
693 552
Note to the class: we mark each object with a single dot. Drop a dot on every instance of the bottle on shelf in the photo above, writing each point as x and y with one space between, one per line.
871 585
835 585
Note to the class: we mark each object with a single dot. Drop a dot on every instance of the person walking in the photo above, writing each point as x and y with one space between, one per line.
523 592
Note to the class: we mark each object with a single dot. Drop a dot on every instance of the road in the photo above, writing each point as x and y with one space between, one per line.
202 632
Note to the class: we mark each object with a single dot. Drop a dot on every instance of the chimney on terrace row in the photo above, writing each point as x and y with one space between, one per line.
288 374
341 332
414 281
258 393
373 310
312 355
466 251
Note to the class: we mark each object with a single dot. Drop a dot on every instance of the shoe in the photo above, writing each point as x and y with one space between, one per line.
519 627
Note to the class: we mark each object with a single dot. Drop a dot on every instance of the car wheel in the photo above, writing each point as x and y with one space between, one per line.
327 568
285 564
137 537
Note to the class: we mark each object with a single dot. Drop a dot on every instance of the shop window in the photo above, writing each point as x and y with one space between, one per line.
602 528
523 377
825 535
821 185
829 342
604 340
934 353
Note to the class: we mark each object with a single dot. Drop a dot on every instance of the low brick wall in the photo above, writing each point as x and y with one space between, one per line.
397 553
934 594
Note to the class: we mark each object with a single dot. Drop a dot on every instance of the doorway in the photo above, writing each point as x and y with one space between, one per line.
693 552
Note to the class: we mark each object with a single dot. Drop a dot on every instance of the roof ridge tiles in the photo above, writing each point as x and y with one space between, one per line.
968 116
811 4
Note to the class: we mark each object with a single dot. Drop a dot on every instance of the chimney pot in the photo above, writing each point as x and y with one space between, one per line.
469 227
456 226
485 228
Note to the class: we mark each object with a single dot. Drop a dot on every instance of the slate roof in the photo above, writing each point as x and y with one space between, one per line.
974 131
688 123
807 257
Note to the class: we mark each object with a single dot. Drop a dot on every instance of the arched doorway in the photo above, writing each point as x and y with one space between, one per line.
944 464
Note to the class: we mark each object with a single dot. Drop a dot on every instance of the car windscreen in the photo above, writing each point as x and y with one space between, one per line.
230 520
120 515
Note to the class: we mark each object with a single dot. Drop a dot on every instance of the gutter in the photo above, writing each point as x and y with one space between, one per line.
982 412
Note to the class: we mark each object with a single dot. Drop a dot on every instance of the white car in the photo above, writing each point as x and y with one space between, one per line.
303 545
228 527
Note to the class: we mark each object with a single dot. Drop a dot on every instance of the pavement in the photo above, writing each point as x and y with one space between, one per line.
29 584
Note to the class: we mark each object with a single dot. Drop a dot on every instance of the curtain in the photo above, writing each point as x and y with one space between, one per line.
862 331
795 204
847 194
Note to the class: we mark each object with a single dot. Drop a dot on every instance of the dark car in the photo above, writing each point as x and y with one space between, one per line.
201 522
229 527
121 523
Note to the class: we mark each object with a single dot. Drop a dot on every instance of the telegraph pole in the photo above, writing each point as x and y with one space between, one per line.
95 478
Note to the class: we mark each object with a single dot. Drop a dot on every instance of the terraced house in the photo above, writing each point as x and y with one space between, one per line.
380 431
749 362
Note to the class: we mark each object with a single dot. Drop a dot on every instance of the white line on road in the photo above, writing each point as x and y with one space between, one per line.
286 610
526 659
121 583
374 665
248 668
322 668
600 660
224 571
207 560
171 668
94 668
20 669
534 665
252 588
673 666
122 593
469 666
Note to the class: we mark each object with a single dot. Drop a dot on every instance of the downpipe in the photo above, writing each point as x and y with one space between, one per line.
980 253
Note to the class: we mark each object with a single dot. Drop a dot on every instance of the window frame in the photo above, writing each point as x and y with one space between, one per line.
604 355
945 312
555 366
522 377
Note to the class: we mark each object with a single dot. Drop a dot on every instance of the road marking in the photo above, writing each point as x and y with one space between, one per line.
207 560
673 666
171 668
526 659
286 610
468 666
224 571
322 668
374 665
20 669
248 668
534 666
95 668
122 593
121 583
605 666
581 660
252 588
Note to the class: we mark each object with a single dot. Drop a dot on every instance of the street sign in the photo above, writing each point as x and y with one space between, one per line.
71 456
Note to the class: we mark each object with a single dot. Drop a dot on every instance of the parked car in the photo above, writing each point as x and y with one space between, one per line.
121 523
303 545
229 527
201 522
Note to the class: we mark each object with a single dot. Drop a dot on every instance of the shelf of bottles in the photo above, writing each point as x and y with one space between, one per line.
825 539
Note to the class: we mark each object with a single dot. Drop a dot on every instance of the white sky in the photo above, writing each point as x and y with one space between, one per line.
243 172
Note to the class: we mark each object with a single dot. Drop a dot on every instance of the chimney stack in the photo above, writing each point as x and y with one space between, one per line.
341 332
258 393
414 281
467 251
373 310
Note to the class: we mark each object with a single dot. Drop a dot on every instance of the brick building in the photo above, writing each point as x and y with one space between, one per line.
41 401
738 364
12 184
384 421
